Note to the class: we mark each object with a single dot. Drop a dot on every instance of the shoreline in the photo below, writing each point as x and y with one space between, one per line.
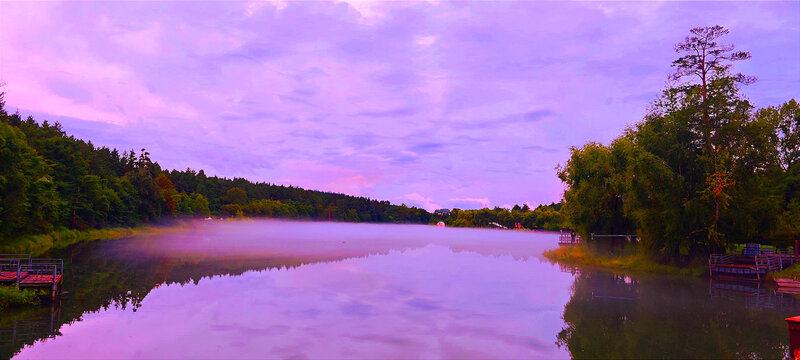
633 263
38 245
41 244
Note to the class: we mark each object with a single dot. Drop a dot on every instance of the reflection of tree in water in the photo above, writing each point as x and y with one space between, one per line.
99 279
25 326
615 316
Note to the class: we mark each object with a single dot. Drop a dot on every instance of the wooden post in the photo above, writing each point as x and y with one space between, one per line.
758 273
55 267
19 273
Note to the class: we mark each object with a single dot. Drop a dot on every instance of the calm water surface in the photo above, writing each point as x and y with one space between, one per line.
274 289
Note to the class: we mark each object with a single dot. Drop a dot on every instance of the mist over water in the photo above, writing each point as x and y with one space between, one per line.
283 289
327 240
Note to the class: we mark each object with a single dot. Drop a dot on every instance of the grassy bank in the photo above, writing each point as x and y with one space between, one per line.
37 245
635 262
792 272
11 296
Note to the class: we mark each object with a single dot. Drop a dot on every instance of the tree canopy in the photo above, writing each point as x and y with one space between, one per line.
702 171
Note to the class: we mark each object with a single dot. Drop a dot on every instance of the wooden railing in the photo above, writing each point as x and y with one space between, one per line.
569 239
756 266
768 263
21 269
721 259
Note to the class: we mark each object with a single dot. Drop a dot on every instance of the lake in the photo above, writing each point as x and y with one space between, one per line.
281 289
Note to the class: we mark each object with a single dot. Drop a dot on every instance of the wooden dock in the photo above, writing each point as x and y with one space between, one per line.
23 271
748 267
567 239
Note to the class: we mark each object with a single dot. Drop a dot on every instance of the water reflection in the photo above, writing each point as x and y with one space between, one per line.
616 316
267 289
29 325
420 290
429 302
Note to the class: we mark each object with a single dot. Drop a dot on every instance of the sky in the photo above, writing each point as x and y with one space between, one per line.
432 104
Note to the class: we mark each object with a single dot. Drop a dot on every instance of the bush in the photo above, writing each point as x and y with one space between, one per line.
11 296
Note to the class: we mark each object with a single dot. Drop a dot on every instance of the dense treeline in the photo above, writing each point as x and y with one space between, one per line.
240 196
702 171
51 181
547 217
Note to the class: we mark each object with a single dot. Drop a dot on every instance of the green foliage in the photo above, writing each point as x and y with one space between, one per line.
547 217
227 196
792 272
594 200
39 244
11 296
199 205
231 209
27 191
702 171
236 195
631 261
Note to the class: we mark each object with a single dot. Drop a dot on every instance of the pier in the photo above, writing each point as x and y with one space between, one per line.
753 267
23 271
567 239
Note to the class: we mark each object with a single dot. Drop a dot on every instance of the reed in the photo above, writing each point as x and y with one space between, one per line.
630 261
38 245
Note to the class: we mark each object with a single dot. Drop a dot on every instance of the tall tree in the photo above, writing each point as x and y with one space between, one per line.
707 63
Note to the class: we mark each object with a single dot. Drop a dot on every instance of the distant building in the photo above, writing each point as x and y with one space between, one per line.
442 212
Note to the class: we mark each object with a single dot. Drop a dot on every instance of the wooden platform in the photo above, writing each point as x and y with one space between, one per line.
568 239
9 276
22 271
40 280
752 267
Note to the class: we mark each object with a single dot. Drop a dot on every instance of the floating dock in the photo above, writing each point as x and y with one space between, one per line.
23 271
748 267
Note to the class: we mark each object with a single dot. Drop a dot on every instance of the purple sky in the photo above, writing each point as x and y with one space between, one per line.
434 104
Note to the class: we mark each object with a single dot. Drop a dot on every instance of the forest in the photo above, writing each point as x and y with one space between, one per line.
703 171
543 217
51 181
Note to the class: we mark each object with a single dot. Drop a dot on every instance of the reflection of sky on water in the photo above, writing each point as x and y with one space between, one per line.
427 301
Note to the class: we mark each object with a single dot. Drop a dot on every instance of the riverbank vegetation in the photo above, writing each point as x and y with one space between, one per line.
10 296
703 171
792 272
40 244
546 217
628 261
